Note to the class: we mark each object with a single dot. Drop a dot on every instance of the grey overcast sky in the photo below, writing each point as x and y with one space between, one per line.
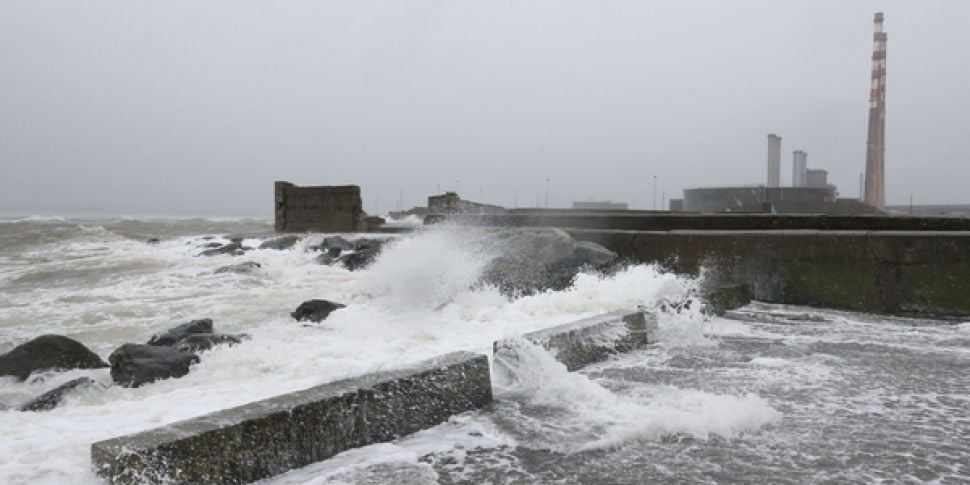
196 107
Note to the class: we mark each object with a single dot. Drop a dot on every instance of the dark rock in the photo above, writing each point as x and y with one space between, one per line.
241 268
315 310
722 298
359 259
236 239
133 365
532 259
333 252
205 341
280 243
173 335
48 352
325 258
588 252
369 244
153 240
234 249
212 245
335 243
50 399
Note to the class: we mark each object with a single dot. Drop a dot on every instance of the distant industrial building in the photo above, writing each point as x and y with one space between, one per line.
816 178
601 205
774 160
676 205
799 169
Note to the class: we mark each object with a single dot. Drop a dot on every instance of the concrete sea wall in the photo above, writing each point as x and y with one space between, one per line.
269 437
667 221
580 343
894 272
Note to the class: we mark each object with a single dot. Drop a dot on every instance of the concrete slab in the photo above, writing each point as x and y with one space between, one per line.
269 437
583 342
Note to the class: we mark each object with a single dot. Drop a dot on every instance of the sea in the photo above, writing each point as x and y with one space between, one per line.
765 394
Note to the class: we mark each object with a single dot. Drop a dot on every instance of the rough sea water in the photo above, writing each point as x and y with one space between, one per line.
768 394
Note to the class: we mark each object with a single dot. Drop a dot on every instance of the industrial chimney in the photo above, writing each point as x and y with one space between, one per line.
799 169
774 160
875 194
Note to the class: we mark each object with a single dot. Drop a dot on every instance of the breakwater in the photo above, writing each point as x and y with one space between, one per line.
269 437
893 272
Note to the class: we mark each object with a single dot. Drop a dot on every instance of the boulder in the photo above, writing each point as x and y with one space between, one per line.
719 299
241 268
234 249
280 243
211 245
205 341
153 240
315 310
530 260
133 365
325 258
173 335
50 399
335 243
359 259
48 352
588 252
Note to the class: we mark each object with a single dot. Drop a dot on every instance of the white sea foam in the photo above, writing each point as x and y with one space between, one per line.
415 302
585 416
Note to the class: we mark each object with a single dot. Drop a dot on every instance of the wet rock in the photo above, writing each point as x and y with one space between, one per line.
325 258
359 259
153 240
50 399
173 335
532 259
48 352
205 341
212 245
234 249
235 239
588 252
722 298
241 268
133 365
335 243
280 243
315 310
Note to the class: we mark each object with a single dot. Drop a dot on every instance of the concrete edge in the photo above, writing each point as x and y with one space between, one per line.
269 437
583 342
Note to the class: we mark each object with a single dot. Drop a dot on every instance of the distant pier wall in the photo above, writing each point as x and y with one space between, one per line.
895 272
270 437
668 221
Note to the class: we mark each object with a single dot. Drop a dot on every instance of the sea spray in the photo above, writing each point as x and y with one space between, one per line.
568 412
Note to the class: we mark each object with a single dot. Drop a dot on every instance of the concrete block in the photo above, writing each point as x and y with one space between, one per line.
269 437
593 339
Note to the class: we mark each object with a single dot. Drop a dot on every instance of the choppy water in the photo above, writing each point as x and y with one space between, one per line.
772 393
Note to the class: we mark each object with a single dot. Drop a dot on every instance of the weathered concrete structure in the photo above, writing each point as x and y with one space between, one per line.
583 342
266 438
667 221
451 203
894 272
321 209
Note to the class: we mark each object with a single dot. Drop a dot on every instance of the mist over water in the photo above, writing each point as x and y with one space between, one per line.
715 390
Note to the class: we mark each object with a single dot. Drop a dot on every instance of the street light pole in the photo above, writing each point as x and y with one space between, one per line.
654 192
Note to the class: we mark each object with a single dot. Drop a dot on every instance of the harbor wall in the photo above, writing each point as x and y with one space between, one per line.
925 273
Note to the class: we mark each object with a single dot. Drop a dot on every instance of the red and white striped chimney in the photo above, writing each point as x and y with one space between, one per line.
875 193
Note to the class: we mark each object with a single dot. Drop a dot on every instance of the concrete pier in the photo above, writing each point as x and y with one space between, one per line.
583 342
269 437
